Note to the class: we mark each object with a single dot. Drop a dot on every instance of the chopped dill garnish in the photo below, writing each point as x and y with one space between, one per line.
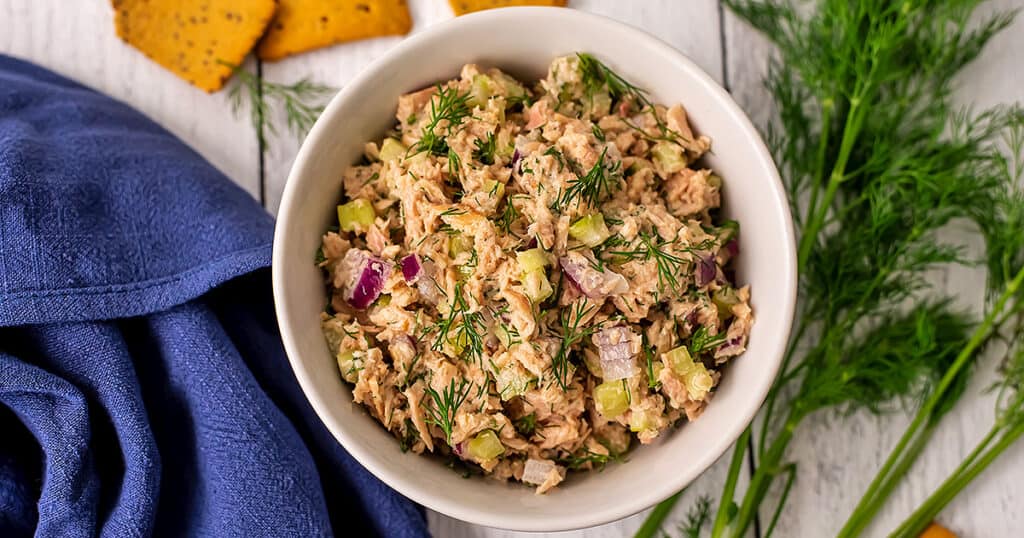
594 186
320 258
451 108
454 164
509 214
598 132
584 456
485 148
572 334
597 75
461 328
526 424
409 436
702 341
670 266
649 353
446 405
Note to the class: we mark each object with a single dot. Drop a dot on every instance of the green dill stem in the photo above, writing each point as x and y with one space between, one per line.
790 471
653 522
773 394
826 118
968 470
872 498
761 479
851 130
735 465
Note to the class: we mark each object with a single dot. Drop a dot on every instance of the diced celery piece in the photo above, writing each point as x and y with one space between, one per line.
349 365
391 149
611 398
693 374
504 146
505 336
512 86
638 165
485 446
383 300
668 157
481 90
724 299
590 230
459 243
537 286
656 369
495 189
356 215
714 181
698 382
466 271
458 341
532 260
511 383
599 104
640 421
680 360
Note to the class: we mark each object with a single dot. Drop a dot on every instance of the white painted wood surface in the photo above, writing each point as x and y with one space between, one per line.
837 458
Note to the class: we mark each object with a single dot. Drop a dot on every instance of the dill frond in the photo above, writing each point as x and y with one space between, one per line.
302 101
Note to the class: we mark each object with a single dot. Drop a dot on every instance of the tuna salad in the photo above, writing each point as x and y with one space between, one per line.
529 279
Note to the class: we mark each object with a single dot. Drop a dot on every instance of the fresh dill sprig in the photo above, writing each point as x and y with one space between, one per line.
454 165
572 334
448 109
876 161
485 148
446 405
595 186
303 102
696 518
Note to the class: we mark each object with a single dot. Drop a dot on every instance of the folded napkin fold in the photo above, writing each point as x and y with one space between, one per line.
143 386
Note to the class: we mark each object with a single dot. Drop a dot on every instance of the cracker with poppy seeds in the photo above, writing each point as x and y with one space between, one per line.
194 38
461 7
302 25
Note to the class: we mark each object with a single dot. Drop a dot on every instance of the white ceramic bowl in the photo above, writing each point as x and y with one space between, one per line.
523 41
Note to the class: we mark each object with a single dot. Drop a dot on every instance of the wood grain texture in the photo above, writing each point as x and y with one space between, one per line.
77 40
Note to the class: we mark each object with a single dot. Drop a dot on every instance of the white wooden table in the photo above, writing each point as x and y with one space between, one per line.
837 458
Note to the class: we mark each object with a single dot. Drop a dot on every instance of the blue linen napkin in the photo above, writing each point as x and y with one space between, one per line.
143 386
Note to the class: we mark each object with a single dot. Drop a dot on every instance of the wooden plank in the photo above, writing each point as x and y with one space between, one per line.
79 42
838 457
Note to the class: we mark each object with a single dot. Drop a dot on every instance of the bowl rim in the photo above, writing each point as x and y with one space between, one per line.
657 491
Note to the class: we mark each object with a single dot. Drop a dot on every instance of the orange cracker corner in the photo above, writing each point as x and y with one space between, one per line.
193 37
461 7
302 25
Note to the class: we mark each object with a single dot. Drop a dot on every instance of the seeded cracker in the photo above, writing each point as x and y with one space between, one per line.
461 7
193 37
302 25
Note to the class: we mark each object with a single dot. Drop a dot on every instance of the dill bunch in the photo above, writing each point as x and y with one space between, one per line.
302 101
876 161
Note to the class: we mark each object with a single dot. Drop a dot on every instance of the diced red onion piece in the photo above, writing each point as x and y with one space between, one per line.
617 348
730 348
536 471
459 448
532 243
365 276
593 283
516 156
706 269
733 247
411 268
